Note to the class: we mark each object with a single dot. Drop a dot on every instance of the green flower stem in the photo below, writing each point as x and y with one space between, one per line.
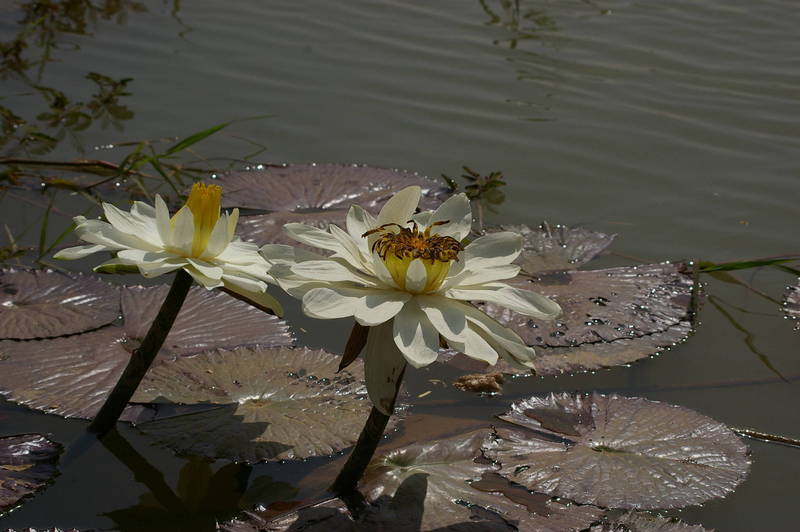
368 440
142 357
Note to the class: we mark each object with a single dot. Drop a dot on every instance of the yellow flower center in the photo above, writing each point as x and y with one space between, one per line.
204 203
399 249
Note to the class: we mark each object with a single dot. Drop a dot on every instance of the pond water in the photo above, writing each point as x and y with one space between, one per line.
672 124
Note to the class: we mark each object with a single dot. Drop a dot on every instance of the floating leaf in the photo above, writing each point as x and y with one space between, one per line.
791 302
72 376
318 187
611 317
643 522
42 304
268 228
278 404
27 464
431 482
557 247
619 452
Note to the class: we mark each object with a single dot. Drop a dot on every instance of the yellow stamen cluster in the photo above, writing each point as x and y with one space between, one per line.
204 203
398 249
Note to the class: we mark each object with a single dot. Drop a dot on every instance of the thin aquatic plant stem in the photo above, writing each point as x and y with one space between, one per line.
143 357
347 479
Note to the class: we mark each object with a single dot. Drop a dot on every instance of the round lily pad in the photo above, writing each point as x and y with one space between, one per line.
557 247
268 228
619 452
610 317
618 521
791 302
27 465
44 304
276 404
321 187
72 376
448 483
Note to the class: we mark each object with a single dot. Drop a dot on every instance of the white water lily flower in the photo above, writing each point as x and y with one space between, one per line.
198 239
412 272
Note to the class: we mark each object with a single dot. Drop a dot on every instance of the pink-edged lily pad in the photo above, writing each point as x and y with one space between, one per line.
46 304
72 376
27 465
618 452
275 404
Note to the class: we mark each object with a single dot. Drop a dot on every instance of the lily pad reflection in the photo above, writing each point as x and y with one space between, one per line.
72 376
277 404
43 304
27 464
619 452
611 317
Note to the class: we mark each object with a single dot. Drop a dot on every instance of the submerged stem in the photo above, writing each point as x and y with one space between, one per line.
368 440
142 357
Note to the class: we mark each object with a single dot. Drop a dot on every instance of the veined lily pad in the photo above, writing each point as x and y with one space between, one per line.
277 404
314 194
619 452
611 317
321 187
557 247
431 482
43 304
791 302
72 376
27 464
643 522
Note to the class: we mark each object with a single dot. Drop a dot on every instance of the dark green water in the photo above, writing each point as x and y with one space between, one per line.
674 124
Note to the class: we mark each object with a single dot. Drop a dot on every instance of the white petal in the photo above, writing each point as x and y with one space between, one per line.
505 338
376 307
522 301
312 236
445 314
359 222
400 207
416 338
79 252
423 218
283 254
384 365
471 277
203 280
154 269
416 276
475 346
207 269
457 212
122 221
142 210
183 231
104 234
162 221
233 219
329 270
353 253
494 249
218 240
325 303
260 298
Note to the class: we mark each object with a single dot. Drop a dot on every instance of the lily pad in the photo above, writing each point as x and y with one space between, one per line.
557 247
791 302
643 522
45 304
619 452
72 376
447 482
268 228
611 317
321 187
277 404
27 464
